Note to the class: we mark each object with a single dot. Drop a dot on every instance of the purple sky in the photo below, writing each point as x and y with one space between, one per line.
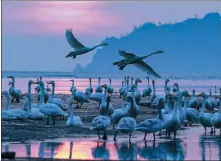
33 32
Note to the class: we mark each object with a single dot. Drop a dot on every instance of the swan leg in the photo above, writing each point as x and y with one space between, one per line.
53 118
74 57
214 130
113 125
115 135
144 138
47 123
154 138
98 134
105 135
211 130
129 136
12 100
174 135
160 132
205 129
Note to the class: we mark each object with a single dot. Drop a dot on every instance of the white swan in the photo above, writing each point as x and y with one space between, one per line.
101 123
151 125
137 93
127 88
110 89
18 113
205 118
54 100
33 105
73 121
90 88
156 101
147 91
102 108
127 124
137 61
120 113
216 119
6 116
46 97
192 115
98 88
131 82
49 109
33 113
80 97
15 93
97 97
78 47
72 86
123 89
193 101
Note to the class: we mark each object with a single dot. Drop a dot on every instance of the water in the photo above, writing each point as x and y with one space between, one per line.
63 84
191 144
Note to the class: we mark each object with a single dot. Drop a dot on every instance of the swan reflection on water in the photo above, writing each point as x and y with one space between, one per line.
126 151
101 152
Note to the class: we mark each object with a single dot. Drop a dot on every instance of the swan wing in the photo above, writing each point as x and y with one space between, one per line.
127 55
73 42
146 68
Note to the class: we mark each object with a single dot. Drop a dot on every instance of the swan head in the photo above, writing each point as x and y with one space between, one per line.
185 93
203 94
99 77
51 82
176 84
41 84
30 82
153 81
167 80
12 77
10 83
138 80
104 86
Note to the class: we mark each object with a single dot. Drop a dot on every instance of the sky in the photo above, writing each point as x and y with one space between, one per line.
33 33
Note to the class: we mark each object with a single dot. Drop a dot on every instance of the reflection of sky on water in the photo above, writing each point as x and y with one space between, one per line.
191 144
63 85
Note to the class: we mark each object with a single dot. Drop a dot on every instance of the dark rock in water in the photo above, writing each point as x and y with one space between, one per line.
8 155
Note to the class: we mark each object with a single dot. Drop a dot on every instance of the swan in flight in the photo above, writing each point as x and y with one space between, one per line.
15 93
78 47
137 61
73 121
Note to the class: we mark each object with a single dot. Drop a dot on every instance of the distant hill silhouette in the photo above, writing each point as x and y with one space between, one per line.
191 47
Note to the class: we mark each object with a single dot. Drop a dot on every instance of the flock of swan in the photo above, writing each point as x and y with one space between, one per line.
175 109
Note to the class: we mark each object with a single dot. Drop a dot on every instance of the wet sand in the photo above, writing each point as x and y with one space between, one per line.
23 130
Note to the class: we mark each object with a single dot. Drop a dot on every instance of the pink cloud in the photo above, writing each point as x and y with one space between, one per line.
55 17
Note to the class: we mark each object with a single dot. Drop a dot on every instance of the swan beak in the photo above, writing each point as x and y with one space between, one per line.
9 77
102 86
105 44
140 81
160 51
71 80
35 82
48 82
24 94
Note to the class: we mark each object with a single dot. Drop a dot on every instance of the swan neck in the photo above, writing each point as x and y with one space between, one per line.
29 105
154 91
203 106
220 108
53 89
104 95
29 88
99 81
90 82
96 46
42 94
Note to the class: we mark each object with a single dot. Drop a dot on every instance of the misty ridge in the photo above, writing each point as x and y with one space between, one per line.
191 48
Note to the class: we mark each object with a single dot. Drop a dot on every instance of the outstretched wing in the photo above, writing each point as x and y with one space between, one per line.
73 42
127 55
146 68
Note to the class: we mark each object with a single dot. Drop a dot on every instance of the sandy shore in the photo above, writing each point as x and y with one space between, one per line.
20 131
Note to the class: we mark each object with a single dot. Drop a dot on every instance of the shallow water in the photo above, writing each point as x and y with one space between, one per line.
191 144
63 84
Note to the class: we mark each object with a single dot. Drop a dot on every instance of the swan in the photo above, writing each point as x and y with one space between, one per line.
193 101
167 104
147 91
97 97
121 89
98 88
37 88
212 100
119 113
73 121
79 49
192 115
110 89
33 105
127 88
171 120
80 97
54 100
151 125
18 113
6 116
101 123
72 86
131 82
103 105
156 101
205 118
137 92
48 109
101 152
90 88
15 93
127 124
216 119
137 61
126 151
33 113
